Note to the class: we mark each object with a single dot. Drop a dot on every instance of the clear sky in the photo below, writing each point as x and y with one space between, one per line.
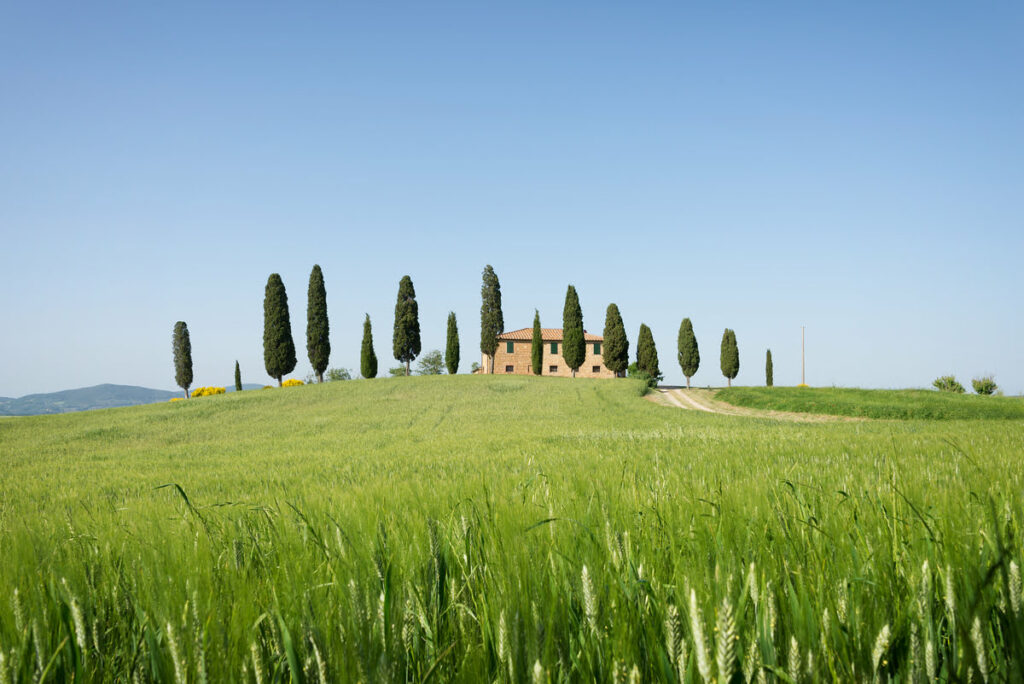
857 169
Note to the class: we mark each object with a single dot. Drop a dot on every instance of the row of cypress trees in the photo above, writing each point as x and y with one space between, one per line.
279 348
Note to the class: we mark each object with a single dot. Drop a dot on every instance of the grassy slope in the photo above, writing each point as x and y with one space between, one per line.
900 404
303 495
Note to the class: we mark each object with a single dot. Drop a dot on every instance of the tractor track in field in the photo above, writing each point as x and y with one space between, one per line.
704 400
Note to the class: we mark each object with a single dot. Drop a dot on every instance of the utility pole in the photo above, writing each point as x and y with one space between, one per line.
803 349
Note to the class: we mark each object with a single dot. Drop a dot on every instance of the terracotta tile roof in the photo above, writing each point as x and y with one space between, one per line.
546 334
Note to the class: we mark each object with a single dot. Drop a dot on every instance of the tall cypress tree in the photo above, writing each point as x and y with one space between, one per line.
537 346
367 358
318 339
647 353
451 350
615 350
574 346
278 347
182 347
406 339
492 323
238 378
730 357
689 354
769 370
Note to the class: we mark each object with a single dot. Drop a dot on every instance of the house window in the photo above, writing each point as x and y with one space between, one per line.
552 369
509 369
510 347
597 347
554 347
596 369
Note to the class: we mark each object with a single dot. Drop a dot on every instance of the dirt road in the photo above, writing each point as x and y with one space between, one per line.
704 400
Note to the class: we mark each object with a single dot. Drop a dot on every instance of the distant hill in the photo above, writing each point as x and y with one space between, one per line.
88 398
100 396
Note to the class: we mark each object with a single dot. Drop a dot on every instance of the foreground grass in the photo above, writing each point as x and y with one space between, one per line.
897 404
494 528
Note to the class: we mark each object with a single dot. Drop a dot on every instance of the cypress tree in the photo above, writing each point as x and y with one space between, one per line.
574 346
318 340
537 348
238 378
367 358
182 347
647 353
278 347
615 350
451 350
406 339
730 357
492 323
769 370
689 354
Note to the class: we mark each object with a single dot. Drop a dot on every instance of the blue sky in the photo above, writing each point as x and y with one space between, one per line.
763 166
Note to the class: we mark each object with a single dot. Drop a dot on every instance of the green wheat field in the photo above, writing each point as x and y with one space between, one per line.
505 529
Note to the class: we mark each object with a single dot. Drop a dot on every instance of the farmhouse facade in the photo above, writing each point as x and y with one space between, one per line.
515 355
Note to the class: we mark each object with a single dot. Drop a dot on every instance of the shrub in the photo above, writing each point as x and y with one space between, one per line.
207 391
177 399
948 383
267 387
431 363
985 385
634 371
338 374
292 382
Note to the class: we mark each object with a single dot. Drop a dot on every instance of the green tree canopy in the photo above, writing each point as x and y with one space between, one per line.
182 348
492 323
431 363
769 370
278 347
238 377
318 340
406 338
730 357
537 346
574 346
647 353
689 354
451 349
338 374
367 357
615 350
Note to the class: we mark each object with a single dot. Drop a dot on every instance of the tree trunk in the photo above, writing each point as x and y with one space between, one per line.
687 382
730 381
279 380
491 357
406 369
187 396
319 377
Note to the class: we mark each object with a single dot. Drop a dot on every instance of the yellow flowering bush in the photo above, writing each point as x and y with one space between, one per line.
177 399
207 391
292 382
803 385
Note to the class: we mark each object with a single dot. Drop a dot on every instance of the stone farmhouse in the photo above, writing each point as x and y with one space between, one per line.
515 351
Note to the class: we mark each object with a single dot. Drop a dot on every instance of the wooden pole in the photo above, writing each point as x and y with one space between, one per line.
803 348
